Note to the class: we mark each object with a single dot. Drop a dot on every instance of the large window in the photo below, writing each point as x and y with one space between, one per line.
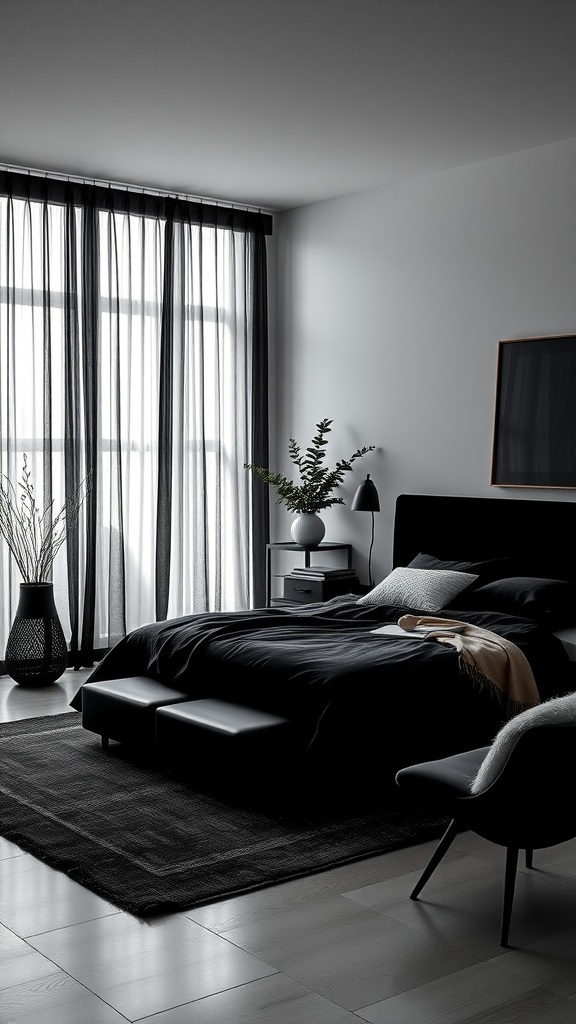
133 348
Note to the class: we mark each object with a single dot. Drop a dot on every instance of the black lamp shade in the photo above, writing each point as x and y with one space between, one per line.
366 498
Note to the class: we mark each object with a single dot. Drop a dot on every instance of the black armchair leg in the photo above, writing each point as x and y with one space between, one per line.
446 841
509 882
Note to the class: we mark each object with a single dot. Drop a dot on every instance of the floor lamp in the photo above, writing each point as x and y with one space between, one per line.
366 500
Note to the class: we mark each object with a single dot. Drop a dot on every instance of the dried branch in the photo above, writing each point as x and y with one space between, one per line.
34 537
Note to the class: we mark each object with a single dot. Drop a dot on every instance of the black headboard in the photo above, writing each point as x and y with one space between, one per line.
538 536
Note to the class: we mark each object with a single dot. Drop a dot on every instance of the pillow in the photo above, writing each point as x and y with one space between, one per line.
557 711
551 603
489 569
424 590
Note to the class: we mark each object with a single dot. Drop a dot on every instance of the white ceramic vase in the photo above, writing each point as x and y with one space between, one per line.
308 530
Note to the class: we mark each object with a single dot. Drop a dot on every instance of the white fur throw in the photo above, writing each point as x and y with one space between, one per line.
558 711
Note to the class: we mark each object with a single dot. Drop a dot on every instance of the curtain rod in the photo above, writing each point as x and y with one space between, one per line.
149 190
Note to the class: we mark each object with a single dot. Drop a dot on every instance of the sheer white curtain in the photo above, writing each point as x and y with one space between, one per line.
127 350
209 399
32 265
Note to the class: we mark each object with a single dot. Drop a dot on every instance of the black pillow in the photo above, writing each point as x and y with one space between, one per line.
552 603
486 570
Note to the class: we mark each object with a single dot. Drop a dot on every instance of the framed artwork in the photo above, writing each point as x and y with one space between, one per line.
535 418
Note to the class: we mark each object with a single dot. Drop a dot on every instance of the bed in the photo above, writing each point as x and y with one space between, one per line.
364 705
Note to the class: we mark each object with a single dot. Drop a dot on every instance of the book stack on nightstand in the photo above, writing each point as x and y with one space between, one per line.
319 583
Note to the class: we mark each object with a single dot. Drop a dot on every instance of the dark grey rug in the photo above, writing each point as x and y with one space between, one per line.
151 843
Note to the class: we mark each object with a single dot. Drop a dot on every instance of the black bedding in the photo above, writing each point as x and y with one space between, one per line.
358 700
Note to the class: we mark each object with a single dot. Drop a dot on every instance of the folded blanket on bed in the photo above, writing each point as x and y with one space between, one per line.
488 658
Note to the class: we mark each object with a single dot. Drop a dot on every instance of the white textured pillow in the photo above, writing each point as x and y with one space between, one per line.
425 590
557 711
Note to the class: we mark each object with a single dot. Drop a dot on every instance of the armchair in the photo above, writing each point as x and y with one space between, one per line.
523 796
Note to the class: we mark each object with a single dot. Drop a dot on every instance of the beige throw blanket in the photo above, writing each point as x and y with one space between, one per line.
486 657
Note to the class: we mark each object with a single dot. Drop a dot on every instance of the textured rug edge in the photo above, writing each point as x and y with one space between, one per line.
85 878
51 723
429 828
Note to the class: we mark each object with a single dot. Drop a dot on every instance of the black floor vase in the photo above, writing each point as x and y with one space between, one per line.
36 652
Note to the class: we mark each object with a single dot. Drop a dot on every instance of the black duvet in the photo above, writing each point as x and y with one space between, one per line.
376 703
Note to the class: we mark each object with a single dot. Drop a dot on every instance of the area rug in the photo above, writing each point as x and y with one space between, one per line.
150 842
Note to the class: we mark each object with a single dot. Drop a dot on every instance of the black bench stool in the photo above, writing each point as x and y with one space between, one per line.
125 709
220 740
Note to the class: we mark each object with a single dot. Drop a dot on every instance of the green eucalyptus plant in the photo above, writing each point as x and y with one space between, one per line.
317 482
35 535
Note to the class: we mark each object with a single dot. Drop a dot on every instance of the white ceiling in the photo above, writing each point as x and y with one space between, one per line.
279 104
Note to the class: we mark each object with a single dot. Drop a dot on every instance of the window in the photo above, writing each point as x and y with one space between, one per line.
130 347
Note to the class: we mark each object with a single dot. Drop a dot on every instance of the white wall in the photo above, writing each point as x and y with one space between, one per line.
389 307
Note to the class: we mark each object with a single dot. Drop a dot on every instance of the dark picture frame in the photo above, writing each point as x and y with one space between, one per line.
535 417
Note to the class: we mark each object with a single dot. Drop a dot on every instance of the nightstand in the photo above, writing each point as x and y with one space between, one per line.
299 590
307 552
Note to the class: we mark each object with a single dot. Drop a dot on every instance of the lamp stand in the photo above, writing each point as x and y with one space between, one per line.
366 500
370 580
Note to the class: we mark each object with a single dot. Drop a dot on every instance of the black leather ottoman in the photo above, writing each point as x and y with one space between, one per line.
125 709
219 740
